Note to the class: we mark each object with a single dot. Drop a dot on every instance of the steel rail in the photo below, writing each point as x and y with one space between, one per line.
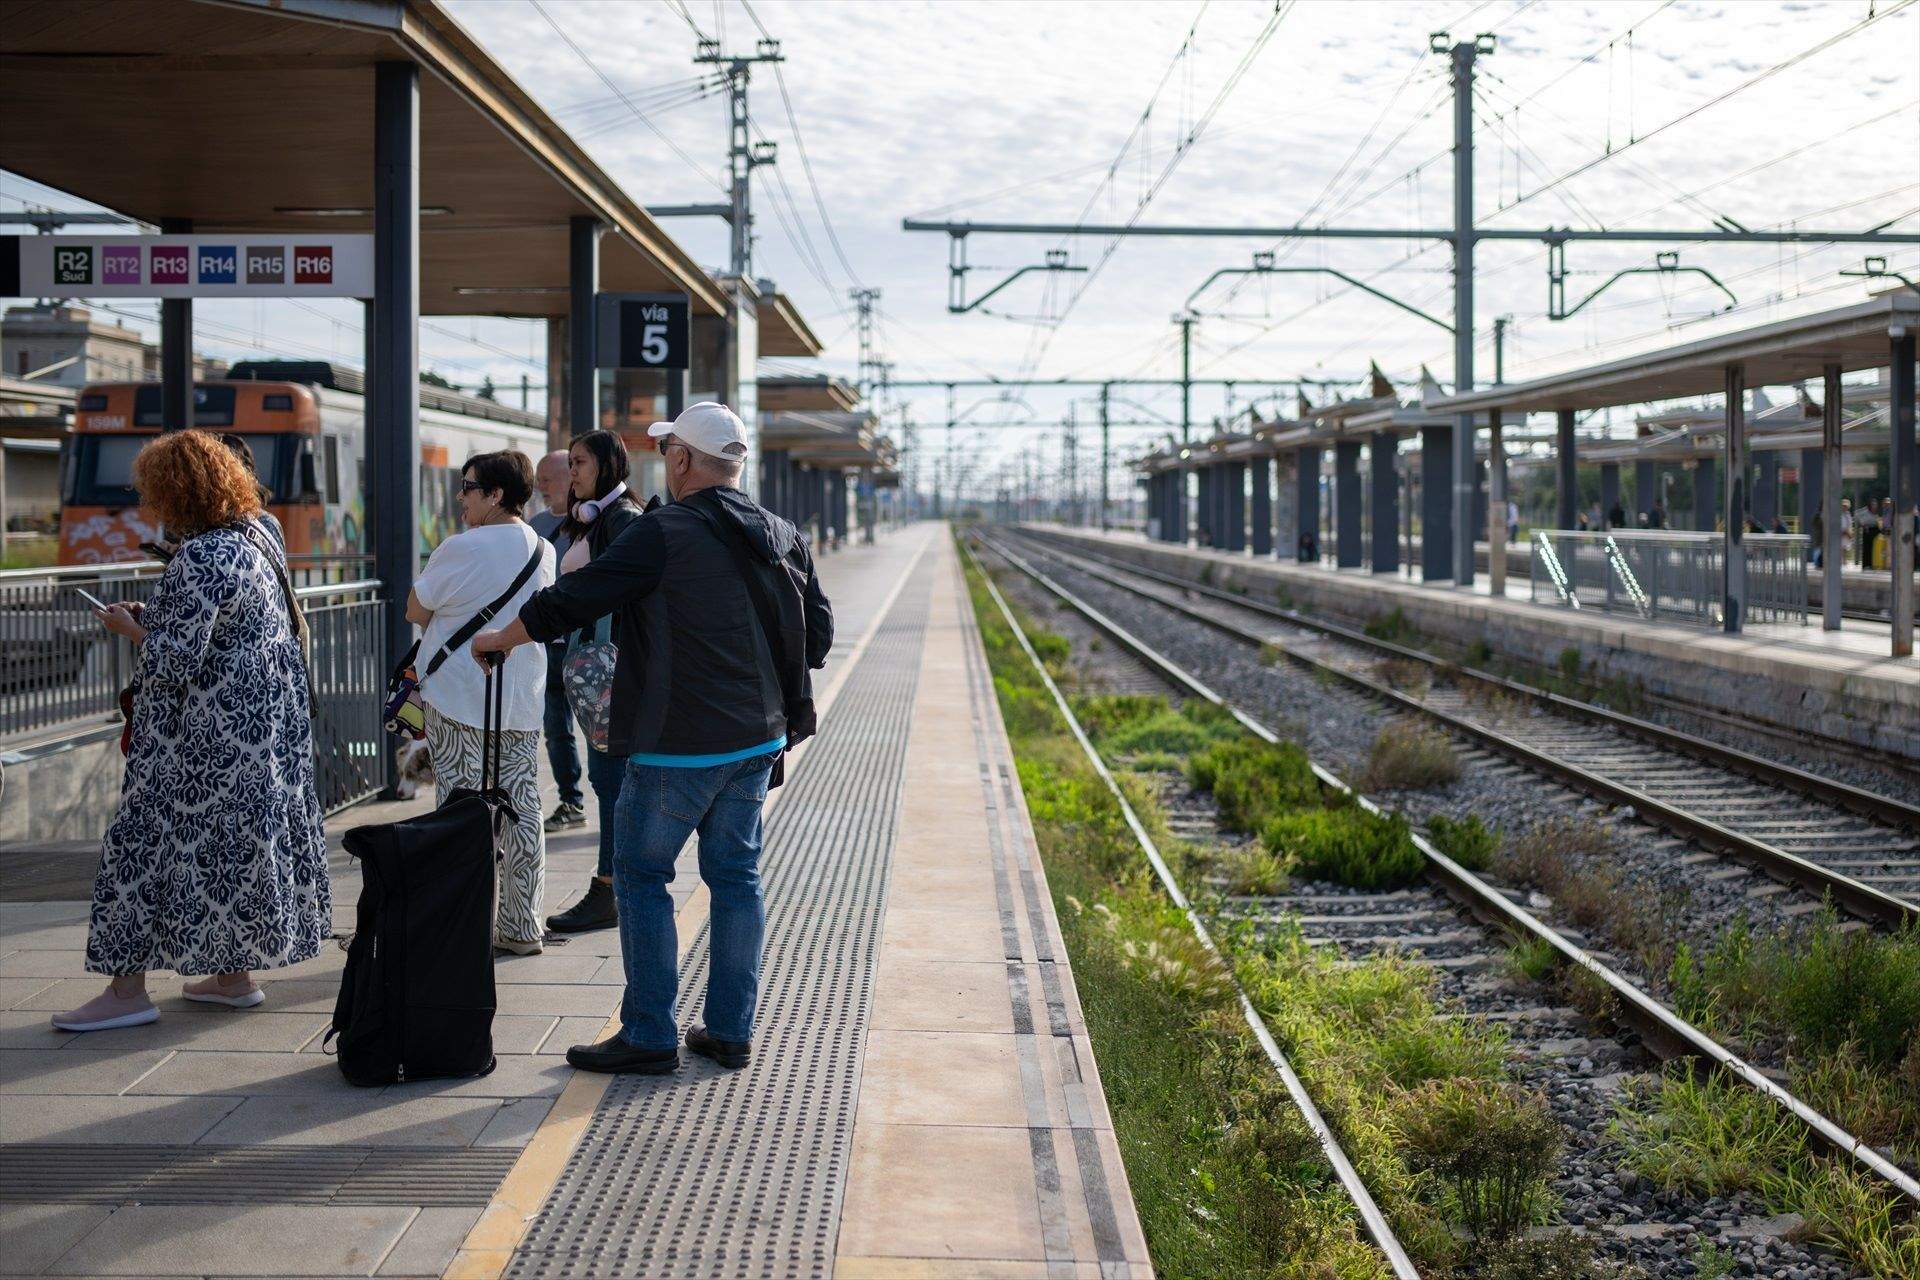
1668 1033
1375 1221
1857 799
1858 897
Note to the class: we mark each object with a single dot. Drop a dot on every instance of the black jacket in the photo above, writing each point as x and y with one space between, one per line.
696 675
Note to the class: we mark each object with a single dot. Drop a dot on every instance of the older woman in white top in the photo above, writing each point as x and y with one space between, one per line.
465 574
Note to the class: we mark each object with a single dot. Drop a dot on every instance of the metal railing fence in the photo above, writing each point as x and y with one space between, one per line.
59 668
1666 575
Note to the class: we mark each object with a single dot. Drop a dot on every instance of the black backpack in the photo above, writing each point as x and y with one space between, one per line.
417 998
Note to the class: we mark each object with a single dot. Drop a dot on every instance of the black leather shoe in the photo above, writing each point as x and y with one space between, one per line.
615 1056
595 910
732 1054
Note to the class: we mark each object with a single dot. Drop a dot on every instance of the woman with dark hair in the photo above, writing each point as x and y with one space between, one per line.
215 863
244 451
465 574
601 507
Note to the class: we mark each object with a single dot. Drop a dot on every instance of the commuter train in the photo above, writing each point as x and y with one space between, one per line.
306 424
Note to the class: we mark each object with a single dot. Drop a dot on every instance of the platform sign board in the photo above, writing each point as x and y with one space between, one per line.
229 265
644 331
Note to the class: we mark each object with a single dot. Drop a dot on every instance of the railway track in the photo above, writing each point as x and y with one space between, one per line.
1823 836
1461 926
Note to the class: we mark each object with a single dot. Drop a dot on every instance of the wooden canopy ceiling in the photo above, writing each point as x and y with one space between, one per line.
237 114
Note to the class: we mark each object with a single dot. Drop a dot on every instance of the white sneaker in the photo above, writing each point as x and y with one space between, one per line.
210 991
106 1011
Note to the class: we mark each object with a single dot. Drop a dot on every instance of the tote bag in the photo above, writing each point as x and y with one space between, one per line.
586 673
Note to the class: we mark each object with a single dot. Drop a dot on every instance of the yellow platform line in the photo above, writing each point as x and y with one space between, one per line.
489 1246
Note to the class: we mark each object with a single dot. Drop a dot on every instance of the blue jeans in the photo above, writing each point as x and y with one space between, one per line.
562 754
659 808
606 774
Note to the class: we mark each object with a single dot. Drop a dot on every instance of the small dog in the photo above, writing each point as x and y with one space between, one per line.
416 767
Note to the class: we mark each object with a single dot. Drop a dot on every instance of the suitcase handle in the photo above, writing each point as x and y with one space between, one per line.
492 719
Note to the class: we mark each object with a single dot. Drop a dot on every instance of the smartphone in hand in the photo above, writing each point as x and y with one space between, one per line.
91 599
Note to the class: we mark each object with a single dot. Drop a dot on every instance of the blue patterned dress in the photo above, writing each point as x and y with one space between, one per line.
216 860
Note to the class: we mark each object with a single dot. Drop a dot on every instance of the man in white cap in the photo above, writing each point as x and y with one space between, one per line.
718 619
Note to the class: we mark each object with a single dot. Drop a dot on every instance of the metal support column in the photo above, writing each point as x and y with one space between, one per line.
1609 491
176 348
1106 459
1260 470
1833 550
1382 453
1902 457
393 353
1766 488
1496 508
583 330
1235 474
1706 495
1733 591
1203 507
1645 491
1459 520
1347 551
1306 491
1436 508
1478 525
1566 475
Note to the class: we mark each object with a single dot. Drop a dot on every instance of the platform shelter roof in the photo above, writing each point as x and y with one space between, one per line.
821 392
827 438
1786 351
257 116
783 330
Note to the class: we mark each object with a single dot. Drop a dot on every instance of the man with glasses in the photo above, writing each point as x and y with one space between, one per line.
718 619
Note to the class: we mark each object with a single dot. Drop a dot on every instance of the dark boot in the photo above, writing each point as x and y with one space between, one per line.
615 1056
595 910
732 1054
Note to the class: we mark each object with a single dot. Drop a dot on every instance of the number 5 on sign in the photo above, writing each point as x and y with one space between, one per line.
643 331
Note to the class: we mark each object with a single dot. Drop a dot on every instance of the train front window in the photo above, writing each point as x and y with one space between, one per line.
102 474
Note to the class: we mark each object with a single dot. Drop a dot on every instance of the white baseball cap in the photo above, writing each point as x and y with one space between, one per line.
708 427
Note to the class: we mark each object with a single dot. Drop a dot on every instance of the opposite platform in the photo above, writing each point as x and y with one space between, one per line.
1793 678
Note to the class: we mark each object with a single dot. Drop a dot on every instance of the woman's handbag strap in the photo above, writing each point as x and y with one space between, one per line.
471 627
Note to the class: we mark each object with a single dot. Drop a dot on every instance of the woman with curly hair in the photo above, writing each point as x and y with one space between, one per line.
215 864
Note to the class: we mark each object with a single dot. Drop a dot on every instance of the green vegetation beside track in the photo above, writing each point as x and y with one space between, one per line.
1227 1178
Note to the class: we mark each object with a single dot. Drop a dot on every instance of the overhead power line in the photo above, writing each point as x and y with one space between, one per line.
638 114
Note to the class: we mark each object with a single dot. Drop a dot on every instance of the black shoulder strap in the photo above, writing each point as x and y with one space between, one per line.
471 627
296 621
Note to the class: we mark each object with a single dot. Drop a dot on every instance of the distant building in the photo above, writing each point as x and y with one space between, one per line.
66 345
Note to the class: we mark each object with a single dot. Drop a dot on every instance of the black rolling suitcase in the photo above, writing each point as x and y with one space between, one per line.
416 998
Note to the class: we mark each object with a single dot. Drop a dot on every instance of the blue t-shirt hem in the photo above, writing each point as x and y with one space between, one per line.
664 761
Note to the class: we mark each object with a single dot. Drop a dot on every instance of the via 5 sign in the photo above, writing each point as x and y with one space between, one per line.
219 266
643 331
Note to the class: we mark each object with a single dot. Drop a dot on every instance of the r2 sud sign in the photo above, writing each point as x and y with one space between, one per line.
211 266
644 331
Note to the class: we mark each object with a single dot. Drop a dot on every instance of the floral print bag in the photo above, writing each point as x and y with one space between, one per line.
587 675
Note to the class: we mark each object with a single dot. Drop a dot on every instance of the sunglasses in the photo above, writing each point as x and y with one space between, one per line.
472 486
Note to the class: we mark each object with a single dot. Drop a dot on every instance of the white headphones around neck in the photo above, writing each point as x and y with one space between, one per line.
590 510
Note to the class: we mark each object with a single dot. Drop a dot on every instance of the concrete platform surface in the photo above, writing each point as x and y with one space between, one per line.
218 1142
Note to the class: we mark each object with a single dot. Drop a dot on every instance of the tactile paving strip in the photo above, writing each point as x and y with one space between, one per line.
102 1174
711 1173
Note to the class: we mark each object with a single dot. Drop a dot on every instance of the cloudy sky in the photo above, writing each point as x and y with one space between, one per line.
1632 113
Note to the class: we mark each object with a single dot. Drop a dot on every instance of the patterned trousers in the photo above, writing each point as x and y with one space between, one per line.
521 859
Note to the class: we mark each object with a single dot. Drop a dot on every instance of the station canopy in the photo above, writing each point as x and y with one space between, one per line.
783 332
257 116
1854 337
